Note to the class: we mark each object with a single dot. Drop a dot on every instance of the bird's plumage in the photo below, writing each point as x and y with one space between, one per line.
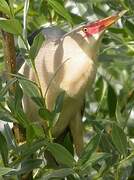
66 62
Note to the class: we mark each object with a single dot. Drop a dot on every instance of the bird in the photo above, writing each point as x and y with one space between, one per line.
67 62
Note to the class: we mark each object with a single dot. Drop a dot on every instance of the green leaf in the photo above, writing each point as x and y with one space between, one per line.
117 31
60 10
18 97
29 164
129 27
38 130
89 149
30 134
26 166
46 114
95 157
41 10
30 89
21 117
99 11
112 101
36 45
77 19
34 130
24 54
10 104
100 89
11 3
4 170
119 139
19 9
119 116
61 154
10 138
5 116
22 46
106 144
12 26
129 4
3 149
4 7
27 150
8 85
60 173
59 102
67 143
125 169
113 4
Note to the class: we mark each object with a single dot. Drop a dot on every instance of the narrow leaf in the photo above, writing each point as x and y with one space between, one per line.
60 10
5 116
12 26
18 97
11 3
8 85
38 40
59 102
90 148
99 11
29 164
129 26
30 89
3 149
26 166
60 173
112 101
61 154
125 169
10 138
46 114
95 157
4 170
27 150
4 7
119 139
100 89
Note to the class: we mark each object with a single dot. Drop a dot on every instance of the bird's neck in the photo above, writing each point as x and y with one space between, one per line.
92 48
89 46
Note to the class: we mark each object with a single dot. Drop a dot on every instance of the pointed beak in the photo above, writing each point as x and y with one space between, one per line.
106 22
102 24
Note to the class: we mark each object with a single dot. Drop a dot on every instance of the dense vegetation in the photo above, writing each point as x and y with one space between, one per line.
109 113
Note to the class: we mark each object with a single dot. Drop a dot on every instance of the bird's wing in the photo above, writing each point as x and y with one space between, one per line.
51 34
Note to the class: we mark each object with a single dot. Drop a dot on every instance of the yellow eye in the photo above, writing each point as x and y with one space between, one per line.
85 29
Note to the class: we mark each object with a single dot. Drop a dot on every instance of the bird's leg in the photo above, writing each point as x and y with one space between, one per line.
76 128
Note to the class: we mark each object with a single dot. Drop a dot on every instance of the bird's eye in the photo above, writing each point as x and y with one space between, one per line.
85 29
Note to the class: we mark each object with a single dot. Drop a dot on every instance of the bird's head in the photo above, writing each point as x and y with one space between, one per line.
88 36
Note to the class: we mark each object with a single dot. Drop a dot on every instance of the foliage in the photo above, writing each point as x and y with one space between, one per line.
108 120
